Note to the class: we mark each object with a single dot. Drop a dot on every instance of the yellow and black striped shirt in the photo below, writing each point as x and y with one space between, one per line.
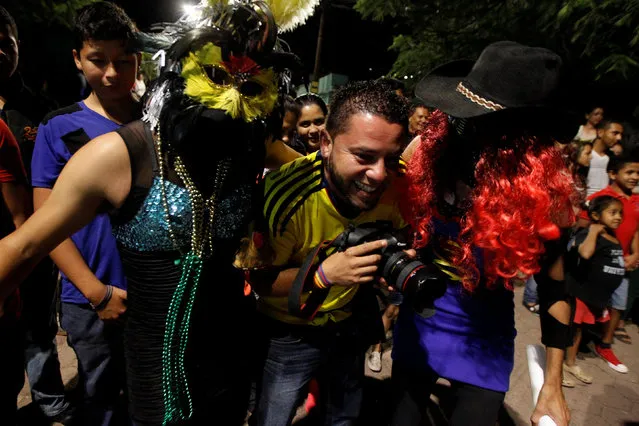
301 215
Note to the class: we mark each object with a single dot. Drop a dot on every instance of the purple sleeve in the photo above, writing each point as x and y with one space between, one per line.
50 155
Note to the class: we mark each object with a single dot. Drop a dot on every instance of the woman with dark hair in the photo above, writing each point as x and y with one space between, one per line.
578 156
311 121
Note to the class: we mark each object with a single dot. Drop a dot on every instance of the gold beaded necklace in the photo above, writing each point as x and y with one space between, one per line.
178 404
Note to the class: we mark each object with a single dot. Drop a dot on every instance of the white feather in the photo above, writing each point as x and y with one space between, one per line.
289 14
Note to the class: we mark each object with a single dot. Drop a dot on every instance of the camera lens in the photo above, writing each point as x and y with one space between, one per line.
402 272
412 277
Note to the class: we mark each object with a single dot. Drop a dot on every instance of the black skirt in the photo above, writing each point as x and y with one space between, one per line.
220 354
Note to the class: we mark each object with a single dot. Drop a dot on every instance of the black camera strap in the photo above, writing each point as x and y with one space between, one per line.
304 278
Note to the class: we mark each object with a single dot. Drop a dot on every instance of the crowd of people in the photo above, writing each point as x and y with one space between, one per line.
212 206
602 278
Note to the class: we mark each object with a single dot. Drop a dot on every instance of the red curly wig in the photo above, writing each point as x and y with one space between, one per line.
522 195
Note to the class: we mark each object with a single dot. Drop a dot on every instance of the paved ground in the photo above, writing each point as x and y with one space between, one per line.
613 398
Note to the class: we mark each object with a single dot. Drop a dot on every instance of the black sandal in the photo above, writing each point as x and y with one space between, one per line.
622 335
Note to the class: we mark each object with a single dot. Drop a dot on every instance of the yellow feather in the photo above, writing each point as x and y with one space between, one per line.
214 2
226 97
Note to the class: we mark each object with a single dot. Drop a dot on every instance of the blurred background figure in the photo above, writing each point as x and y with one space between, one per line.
418 119
395 85
139 87
289 125
588 132
617 149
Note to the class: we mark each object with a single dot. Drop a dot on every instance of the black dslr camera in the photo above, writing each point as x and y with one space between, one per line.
420 284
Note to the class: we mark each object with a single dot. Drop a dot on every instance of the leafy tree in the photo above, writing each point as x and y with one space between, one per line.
42 14
607 33
597 37
149 66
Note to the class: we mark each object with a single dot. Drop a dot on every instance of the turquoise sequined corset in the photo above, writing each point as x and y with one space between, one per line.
148 230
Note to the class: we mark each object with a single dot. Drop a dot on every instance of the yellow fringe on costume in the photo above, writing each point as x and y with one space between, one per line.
227 97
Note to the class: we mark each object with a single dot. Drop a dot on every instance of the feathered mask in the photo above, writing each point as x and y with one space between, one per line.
228 55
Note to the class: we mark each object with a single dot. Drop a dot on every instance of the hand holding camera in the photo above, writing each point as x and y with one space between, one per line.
355 265
370 252
375 250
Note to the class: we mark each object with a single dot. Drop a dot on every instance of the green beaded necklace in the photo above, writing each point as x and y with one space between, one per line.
178 404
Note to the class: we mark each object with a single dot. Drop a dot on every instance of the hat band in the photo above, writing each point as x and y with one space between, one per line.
473 97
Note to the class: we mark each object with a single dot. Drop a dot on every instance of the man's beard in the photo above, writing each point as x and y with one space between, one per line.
341 189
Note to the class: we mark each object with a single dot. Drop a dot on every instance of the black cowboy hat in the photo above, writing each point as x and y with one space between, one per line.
506 75
508 79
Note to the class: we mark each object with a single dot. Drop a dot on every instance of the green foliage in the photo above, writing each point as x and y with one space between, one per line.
377 10
595 36
149 66
607 33
44 13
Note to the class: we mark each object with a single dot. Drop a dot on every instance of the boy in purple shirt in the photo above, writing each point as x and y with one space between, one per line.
93 282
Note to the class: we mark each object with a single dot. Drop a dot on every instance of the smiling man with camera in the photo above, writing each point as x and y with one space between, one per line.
352 180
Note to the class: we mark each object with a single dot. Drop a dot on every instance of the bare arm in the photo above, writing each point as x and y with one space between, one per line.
98 175
18 201
280 287
410 149
632 260
278 154
68 258
587 248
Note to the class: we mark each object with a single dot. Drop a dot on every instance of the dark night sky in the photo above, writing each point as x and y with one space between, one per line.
351 46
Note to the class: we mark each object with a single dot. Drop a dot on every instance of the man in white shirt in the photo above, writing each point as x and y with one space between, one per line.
609 132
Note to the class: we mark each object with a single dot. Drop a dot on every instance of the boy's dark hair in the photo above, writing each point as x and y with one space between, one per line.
599 204
7 19
311 99
103 21
618 162
366 97
606 122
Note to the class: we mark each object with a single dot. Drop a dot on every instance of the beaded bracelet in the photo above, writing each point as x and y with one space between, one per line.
105 300
320 279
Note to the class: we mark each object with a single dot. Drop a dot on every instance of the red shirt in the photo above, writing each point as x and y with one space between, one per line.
630 222
11 167
11 170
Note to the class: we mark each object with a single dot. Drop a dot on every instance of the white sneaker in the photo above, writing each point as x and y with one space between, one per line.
565 381
374 361
579 374
609 356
